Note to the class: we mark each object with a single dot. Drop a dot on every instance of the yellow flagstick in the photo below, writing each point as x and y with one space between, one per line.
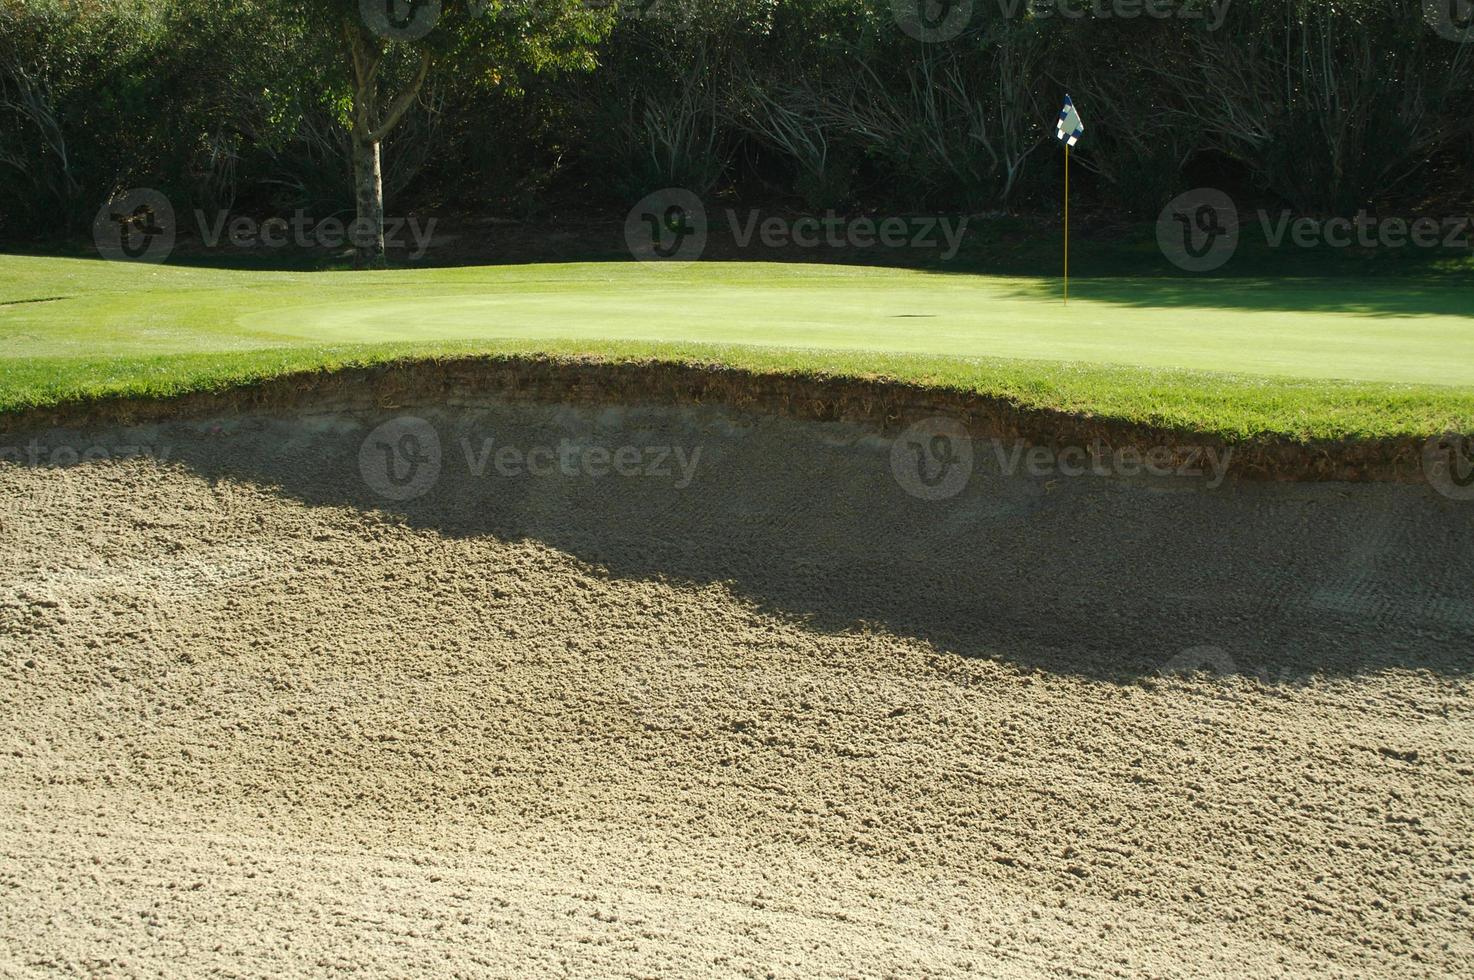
1067 224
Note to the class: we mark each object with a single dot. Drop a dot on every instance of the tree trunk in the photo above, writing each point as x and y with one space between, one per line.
370 127
368 183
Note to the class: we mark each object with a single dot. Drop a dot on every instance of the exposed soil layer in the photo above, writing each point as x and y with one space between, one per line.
879 403
342 687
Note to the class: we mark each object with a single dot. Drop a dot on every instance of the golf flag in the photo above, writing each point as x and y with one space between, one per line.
1069 127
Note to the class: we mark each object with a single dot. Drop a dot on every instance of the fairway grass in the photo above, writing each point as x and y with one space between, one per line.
1307 359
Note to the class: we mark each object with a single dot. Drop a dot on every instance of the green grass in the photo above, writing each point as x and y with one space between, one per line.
1308 357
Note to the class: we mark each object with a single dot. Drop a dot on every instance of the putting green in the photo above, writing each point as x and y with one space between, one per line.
1257 334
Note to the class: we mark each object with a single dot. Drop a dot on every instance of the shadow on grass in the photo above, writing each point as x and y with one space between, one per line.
1092 576
1127 269
1374 298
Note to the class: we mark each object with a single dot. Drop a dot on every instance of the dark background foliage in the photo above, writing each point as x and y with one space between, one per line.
1323 106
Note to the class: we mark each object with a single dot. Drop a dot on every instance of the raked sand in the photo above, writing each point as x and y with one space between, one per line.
766 715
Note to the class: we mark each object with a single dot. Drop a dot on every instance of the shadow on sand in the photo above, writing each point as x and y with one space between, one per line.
1111 578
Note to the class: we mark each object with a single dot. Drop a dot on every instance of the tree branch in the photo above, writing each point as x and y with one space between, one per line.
401 105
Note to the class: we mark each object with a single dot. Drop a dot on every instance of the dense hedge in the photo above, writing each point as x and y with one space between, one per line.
1325 105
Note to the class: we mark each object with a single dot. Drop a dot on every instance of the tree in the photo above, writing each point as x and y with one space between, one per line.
389 49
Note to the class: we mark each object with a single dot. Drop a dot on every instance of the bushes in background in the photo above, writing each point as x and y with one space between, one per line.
1327 105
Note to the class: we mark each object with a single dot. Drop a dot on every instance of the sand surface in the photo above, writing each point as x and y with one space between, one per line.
768 715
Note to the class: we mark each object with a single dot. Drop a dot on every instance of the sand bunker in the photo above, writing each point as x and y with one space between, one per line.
503 689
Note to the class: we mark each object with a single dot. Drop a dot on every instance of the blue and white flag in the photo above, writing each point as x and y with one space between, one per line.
1069 126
